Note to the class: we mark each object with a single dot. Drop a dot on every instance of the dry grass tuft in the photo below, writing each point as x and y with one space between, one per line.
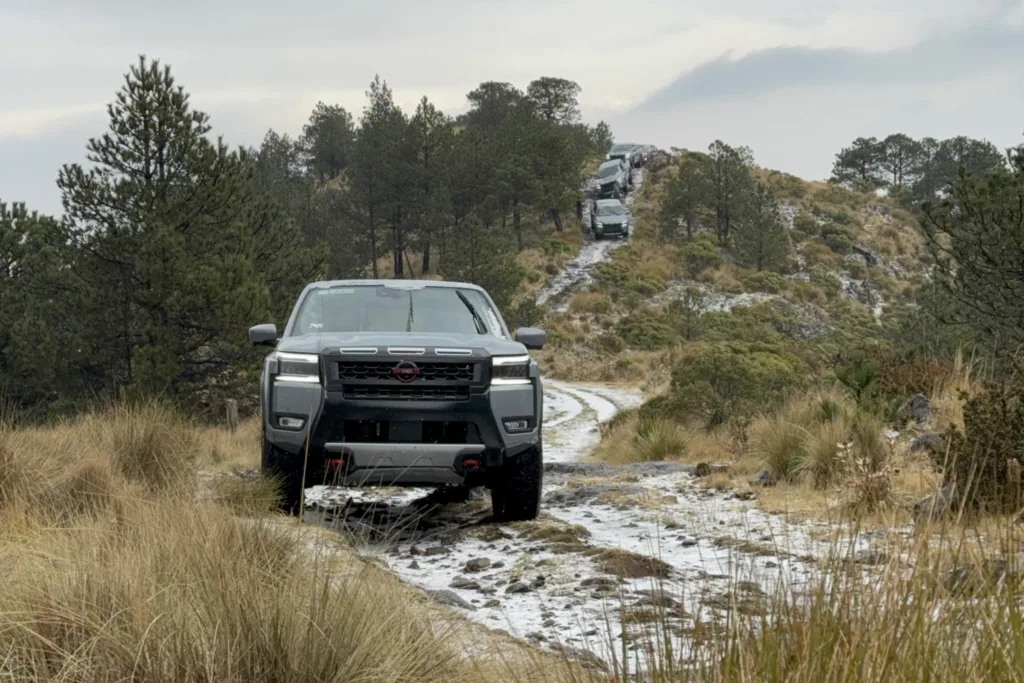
114 570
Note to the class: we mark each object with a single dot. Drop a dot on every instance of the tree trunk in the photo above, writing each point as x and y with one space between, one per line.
398 258
425 267
557 218
517 223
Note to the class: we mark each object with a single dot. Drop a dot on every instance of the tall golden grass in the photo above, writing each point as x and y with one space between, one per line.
114 569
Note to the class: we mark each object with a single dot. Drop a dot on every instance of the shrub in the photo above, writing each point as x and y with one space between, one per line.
984 460
659 439
590 302
727 382
645 330
805 223
555 247
827 282
837 238
699 254
524 314
619 277
764 281
819 253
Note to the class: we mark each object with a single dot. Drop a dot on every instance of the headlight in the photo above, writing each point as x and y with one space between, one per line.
298 367
510 370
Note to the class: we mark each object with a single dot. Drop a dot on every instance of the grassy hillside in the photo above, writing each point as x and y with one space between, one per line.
850 255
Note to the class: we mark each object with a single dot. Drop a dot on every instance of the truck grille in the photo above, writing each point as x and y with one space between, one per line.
371 370
401 392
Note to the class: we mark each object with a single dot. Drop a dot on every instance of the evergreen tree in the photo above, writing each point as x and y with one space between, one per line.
901 159
860 162
728 183
555 99
687 195
177 254
431 138
327 141
760 238
976 236
44 353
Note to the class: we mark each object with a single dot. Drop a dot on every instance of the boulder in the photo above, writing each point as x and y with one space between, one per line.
936 505
451 599
918 408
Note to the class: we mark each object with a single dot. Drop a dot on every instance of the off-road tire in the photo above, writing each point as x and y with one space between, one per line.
286 469
515 496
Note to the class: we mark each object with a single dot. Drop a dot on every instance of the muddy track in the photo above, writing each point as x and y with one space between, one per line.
615 545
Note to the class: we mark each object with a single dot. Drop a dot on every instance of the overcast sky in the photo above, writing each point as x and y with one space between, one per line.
792 79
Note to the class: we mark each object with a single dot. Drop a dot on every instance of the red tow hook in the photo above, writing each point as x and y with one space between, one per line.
335 463
471 463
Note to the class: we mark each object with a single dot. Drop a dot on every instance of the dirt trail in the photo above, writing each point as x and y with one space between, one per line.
579 272
614 544
616 549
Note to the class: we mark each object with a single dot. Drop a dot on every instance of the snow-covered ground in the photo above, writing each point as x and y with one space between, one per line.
578 272
689 552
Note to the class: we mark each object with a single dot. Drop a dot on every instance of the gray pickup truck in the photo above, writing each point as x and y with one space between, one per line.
402 383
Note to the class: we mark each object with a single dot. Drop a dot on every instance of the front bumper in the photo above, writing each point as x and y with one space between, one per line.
380 440
611 229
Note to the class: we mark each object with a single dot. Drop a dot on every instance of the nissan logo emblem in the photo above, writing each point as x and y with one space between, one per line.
406 371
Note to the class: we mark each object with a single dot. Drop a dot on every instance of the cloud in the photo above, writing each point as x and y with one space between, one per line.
940 58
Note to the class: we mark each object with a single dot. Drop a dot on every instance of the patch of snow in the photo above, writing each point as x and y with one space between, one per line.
579 272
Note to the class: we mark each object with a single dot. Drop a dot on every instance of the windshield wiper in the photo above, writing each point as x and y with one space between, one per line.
408 324
481 328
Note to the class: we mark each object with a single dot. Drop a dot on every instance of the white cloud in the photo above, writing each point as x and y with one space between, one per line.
263 64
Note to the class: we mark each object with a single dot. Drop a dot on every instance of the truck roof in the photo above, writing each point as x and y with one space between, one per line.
397 284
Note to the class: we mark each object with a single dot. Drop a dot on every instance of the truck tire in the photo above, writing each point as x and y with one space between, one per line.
515 496
287 470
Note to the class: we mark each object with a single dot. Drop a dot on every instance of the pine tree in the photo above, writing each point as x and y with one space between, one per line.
178 254
728 182
760 238
431 139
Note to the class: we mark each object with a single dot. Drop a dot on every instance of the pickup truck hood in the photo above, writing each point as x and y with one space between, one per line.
317 343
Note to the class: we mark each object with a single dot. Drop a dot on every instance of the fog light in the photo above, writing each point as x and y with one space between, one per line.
517 425
290 422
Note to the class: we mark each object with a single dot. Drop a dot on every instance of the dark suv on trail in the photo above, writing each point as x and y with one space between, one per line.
628 152
613 179
402 383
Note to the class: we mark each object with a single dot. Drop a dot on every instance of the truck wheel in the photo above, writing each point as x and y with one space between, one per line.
287 470
515 496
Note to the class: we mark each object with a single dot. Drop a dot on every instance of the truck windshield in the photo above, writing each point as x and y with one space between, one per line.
379 308
608 171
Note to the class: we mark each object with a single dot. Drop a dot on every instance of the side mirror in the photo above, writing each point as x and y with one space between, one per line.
531 337
263 335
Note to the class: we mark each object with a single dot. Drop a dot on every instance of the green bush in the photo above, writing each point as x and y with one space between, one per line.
699 254
618 276
727 383
839 239
857 270
827 282
553 247
984 461
611 343
643 330
764 281
805 223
